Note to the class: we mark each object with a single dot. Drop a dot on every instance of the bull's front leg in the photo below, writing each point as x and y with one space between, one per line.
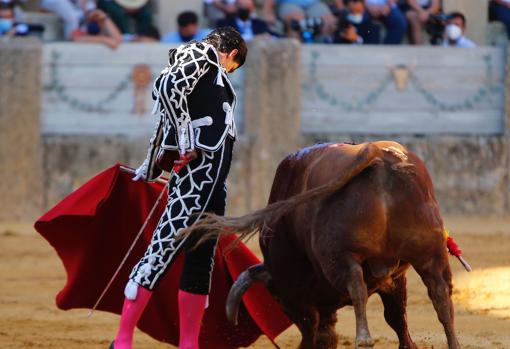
307 320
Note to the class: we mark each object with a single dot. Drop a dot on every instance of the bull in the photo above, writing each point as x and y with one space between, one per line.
344 222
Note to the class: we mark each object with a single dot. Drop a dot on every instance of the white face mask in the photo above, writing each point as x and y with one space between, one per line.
453 32
355 19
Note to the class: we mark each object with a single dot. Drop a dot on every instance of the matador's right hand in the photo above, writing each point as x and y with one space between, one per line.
141 172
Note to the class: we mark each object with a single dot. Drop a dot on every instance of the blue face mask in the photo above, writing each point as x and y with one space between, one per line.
93 28
5 25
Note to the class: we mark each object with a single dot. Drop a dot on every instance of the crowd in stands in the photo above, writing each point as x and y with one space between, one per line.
355 22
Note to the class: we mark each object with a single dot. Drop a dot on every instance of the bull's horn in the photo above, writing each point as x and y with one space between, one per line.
256 273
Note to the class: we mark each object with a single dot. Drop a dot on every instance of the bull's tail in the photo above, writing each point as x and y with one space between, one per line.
249 225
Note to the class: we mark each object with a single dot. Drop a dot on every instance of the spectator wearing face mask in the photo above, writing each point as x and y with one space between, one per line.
9 26
355 14
346 32
244 22
98 28
188 30
454 32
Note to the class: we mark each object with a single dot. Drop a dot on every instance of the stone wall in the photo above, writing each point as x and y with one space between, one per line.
69 161
20 143
470 173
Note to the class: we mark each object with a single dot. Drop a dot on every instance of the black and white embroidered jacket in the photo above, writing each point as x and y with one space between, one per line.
195 102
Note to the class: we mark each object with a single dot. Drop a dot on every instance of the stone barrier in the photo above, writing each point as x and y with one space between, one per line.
21 174
39 167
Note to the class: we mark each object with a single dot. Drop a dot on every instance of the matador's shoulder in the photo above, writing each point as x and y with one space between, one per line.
195 50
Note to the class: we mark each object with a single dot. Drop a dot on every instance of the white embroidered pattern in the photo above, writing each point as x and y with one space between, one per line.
198 182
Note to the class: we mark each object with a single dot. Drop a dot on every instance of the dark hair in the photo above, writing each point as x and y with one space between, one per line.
186 18
7 5
457 14
150 32
227 39
347 2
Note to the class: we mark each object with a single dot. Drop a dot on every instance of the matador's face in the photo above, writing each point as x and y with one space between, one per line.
227 60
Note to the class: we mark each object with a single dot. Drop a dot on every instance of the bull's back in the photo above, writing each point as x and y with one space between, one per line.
311 167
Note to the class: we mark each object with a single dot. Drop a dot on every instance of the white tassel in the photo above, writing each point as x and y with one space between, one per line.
219 78
155 109
131 290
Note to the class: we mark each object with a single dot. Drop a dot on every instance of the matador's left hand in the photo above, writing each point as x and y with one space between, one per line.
188 157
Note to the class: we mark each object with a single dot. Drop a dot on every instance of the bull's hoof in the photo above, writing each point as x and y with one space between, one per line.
365 343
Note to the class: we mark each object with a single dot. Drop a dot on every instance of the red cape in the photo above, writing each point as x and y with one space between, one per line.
92 229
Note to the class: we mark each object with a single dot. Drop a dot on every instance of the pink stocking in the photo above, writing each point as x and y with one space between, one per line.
131 313
191 311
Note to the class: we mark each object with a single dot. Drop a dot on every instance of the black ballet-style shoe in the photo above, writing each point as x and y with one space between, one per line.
112 346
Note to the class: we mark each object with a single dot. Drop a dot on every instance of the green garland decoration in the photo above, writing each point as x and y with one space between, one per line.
60 90
483 92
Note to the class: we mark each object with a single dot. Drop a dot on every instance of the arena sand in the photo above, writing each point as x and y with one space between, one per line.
31 274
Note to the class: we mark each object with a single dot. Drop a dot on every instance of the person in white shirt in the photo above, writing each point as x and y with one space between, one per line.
454 32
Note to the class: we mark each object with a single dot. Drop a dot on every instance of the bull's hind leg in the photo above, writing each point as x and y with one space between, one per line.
437 276
395 301
358 292
348 272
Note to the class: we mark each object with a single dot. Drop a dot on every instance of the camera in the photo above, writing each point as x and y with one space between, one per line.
309 29
435 27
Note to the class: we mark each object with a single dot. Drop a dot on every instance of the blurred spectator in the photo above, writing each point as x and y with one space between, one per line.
121 11
150 35
244 22
72 12
297 11
355 14
8 24
216 10
454 32
187 23
418 13
346 32
500 11
98 28
389 14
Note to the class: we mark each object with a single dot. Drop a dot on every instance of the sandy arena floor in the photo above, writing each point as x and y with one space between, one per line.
31 275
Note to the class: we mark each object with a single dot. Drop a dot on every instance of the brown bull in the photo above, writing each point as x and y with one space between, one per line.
344 222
